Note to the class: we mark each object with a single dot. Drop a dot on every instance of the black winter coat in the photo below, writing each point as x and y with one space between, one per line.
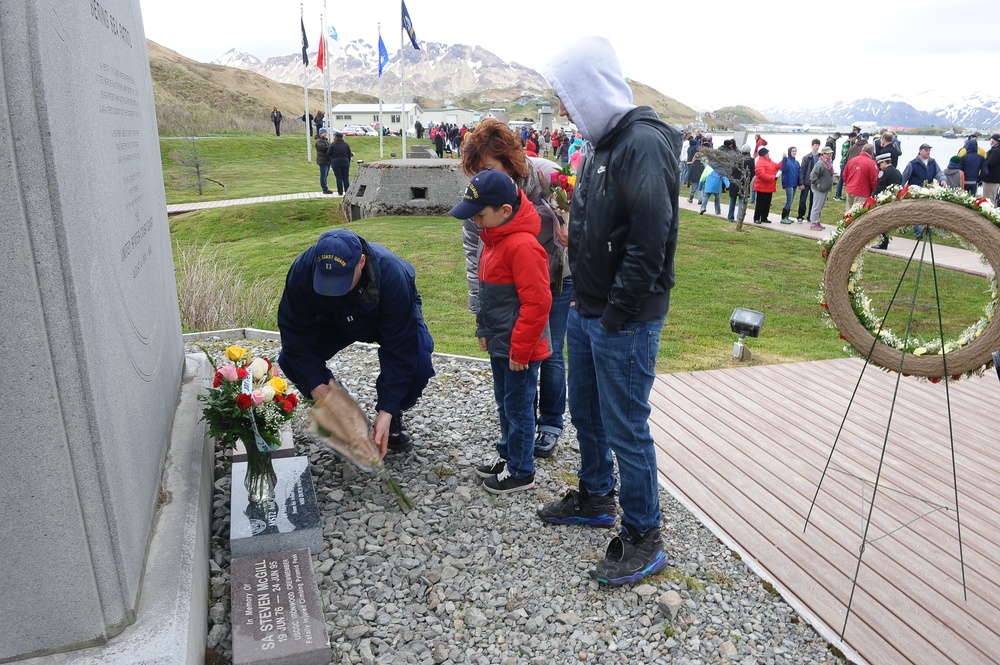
624 220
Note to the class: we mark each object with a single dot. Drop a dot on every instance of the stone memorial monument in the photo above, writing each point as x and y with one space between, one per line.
90 339
277 612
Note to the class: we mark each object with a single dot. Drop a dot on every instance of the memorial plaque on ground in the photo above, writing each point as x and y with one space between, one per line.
277 615
289 522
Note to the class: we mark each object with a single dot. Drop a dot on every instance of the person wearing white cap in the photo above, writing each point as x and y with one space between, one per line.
889 176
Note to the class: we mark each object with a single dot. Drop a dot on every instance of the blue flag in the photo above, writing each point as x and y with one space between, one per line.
408 26
383 56
305 43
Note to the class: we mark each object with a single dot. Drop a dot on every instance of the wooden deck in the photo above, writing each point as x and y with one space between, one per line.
745 448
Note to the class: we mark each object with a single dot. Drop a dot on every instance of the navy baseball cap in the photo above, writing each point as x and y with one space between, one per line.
487 188
337 255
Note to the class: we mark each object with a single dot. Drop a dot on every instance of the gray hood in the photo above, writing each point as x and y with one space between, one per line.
588 80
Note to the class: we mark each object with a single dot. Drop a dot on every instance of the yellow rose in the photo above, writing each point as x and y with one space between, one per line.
235 352
919 351
279 384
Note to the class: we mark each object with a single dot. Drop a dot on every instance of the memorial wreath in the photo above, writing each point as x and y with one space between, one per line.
976 222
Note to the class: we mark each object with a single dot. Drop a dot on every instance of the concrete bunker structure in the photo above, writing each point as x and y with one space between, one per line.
427 187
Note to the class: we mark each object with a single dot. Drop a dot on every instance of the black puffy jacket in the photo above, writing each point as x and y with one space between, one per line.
623 222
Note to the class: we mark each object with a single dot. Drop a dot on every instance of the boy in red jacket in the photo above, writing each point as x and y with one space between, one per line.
512 322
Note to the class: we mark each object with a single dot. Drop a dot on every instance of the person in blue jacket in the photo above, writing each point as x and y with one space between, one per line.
345 289
789 182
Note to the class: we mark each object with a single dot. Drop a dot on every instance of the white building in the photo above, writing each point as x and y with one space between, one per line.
367 114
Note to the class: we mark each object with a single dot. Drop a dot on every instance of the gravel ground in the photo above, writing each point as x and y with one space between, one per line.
467 577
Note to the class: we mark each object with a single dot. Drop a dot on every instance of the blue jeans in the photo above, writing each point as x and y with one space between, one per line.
789 200
552 373
708 197
732 206
840 183
685 169
610 377
324 171
515 396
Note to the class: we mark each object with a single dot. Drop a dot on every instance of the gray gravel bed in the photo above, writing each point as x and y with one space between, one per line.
468 577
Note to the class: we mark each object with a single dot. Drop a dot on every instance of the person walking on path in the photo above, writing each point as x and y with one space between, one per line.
805 170
622 238
276 119
512 320
345 289
494 145
764 184
323 158
790 183
713 182
860 177
694 178
340 162
821 181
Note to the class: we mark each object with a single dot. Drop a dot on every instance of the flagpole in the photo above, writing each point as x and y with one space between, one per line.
381 126
305 88
328 92
402 84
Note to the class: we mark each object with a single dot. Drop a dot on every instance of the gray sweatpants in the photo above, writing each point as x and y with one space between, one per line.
819 200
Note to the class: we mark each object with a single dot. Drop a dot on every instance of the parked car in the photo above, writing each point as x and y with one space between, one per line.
358 130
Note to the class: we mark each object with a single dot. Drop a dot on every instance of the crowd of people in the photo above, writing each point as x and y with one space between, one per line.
867 167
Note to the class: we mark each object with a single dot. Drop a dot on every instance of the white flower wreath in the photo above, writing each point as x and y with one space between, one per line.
848 305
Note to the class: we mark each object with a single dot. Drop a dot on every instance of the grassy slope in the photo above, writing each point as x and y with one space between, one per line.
717 270
194 97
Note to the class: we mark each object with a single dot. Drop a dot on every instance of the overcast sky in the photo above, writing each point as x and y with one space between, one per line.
763 53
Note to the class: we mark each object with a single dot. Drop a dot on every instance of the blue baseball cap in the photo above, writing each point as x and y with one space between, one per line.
487 188
337 255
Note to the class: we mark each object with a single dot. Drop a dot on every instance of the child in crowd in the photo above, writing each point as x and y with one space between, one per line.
512 321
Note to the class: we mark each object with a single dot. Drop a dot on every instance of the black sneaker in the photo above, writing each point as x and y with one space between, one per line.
399 438
545 444
581 508
630 558
491 468
504 483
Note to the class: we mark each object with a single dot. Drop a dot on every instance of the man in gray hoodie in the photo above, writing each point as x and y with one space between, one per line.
622 236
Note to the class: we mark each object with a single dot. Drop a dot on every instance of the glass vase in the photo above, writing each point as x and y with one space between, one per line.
260 477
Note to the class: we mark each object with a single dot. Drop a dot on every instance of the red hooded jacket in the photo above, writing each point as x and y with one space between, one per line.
860 175
514 293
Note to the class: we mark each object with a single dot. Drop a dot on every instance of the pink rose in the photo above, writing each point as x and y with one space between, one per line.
257 397
228 372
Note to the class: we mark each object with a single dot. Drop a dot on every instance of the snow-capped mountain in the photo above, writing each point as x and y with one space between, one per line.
930 108
237 58
441 71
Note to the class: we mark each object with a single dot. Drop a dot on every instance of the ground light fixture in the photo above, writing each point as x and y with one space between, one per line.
745 323
996 362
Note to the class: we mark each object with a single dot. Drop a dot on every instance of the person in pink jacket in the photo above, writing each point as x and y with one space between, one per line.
764 184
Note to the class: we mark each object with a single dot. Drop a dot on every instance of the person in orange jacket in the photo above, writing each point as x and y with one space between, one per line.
764 184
